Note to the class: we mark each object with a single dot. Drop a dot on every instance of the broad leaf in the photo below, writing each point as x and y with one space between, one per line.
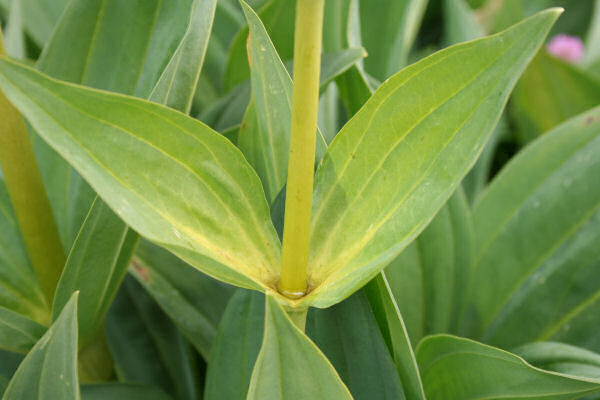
398 160
120 391
177 84
349 336
170 177
236 347
562 358
19 287
460 369
18 333
112 45
147 347
194 301
394 331
537 231
388 32
550 92
49 371
264 137
95 267
429 279
289 365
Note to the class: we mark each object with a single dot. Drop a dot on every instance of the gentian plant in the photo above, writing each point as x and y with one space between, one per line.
278 199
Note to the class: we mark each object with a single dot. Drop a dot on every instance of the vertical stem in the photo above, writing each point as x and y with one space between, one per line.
305 101
28 196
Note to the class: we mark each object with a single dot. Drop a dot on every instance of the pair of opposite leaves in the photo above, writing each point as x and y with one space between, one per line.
389 170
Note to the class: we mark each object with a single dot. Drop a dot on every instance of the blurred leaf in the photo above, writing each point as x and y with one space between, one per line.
49 371
360 222
14 39
460 22
174 192
95 267
289 365
264 136
18 333
177 84
236 347
429 278
20 291
562 358
460 369
592 48
195 302
120 391
147 347
550 92
537 232
348 335
278 17
41 17
394 331
388 31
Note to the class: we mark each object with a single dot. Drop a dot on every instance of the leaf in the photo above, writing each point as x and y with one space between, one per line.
18 333
19 288
178 82
348 335
592 53
264 137
561 358
460 22
460 369
120 391
398 22
429 279
50 369
174 192
529 286
42 17
550 92
14 36
236 347
112 45
289 365
147 347
278 16
95 267
360 221
194 301
394 331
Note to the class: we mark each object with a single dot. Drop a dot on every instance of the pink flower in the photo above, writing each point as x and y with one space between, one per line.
566 47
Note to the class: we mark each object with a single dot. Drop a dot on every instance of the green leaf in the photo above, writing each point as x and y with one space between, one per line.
50 369
236 347
147 347
460 369
178 82
398 22
19 288
95 267
529 286
460 22
592 53
562 358
174 192
289 365
264 137
14 38
120 391
550 92
42 17
349 336
18 333
394 331
360 221
194 301
112 45
429 279
278 17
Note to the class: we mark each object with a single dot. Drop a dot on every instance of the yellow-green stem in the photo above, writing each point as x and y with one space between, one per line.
305 101
28 196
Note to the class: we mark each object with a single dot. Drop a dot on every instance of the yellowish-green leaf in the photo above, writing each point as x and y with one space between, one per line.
400 158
